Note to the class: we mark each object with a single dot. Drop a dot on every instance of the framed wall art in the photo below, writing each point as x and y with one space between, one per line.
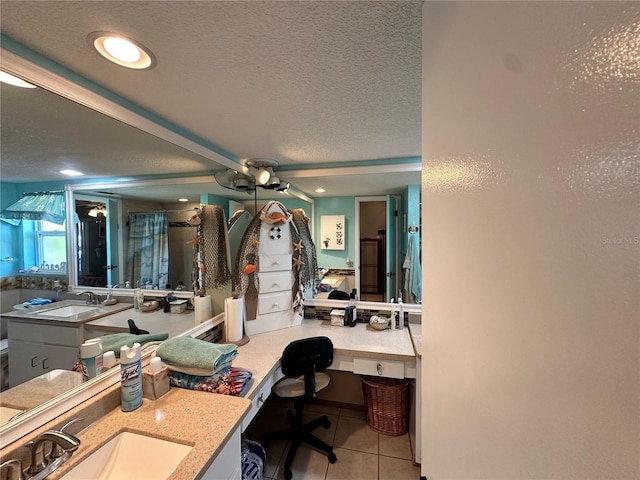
332 232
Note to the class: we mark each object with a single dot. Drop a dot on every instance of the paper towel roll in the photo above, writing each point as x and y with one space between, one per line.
202 308
233 318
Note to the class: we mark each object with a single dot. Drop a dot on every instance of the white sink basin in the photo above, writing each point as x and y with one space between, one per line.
68 311
131 456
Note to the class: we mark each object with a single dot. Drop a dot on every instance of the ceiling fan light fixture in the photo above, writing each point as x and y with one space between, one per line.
121 50
274 182
262 175
283 187
263 169
97 210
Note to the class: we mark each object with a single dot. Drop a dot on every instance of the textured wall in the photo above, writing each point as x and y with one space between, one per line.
531 240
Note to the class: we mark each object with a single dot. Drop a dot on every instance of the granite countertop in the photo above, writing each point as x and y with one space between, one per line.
39 314
154 322
41 389
202 420
205 420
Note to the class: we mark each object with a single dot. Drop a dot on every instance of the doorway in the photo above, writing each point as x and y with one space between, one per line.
376 252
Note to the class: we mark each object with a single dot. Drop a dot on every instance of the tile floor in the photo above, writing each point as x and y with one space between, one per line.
362 453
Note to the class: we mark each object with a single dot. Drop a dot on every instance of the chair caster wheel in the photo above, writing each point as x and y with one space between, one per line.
326 423
288 475
332 458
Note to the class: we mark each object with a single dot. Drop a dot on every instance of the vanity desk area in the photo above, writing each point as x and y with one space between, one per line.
211 424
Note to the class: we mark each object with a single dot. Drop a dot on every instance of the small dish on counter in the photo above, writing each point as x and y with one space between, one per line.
379 323
149 306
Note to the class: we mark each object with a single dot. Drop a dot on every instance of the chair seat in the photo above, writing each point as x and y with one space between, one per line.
294 386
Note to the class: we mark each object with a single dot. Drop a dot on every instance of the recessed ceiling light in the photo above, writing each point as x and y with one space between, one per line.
15 81
122 50
71 173
183 199
320 190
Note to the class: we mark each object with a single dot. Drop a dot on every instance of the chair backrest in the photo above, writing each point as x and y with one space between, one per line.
306 357
338 295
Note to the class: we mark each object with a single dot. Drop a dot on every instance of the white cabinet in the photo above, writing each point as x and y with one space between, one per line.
36 348
227 465
275 271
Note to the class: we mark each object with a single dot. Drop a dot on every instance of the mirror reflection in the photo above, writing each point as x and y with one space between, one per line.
107 260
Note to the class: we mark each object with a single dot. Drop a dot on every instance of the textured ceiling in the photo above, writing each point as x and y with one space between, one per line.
304 83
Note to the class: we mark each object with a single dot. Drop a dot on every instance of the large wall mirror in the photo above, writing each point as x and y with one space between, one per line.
65 112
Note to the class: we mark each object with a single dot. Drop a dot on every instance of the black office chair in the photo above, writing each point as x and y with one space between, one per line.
302 362
338 295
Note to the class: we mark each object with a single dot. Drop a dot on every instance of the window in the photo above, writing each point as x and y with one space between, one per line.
45 246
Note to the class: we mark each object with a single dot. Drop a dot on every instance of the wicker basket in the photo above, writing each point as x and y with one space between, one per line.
386 402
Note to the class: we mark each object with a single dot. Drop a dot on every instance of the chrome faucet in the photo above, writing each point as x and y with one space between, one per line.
40 468
13 469
92 299
56 449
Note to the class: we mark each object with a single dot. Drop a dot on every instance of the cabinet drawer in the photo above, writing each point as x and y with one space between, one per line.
260 396
378 368
274 281
275 263
47 334
274 239
274 302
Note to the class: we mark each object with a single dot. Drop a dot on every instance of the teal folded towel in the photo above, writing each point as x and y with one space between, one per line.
114 341
191 354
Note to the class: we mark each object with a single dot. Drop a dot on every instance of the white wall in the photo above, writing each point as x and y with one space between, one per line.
531 240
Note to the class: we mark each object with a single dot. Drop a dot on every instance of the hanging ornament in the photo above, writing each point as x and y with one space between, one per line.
275 233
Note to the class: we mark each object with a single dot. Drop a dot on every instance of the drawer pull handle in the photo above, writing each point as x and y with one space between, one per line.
33 362
45 363
274 264
275 304
379 368
274 285
260 399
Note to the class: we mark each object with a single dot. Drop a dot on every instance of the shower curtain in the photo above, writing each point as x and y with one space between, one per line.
148 250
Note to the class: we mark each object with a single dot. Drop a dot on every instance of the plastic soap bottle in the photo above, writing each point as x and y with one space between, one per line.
91 358
130 378
155 380
400 313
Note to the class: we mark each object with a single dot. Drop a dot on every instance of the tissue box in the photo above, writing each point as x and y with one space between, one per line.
178 306
337 318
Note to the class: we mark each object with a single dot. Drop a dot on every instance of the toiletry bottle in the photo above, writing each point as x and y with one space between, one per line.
136 301
400 313
130 378
353 312
91 358
155 380
108 360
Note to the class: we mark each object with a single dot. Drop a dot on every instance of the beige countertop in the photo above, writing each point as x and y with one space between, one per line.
205 420
154 322
41 389
416 337
39 314
263 352
202 420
